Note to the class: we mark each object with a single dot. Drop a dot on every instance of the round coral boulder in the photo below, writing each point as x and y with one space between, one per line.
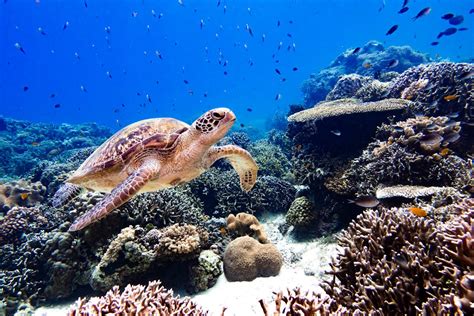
246 259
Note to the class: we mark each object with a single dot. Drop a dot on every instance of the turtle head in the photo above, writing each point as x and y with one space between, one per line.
214 124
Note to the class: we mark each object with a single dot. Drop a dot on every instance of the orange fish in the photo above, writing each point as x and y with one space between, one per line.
418 211
223 231
24 196
366 65
450 97
444 152
34 144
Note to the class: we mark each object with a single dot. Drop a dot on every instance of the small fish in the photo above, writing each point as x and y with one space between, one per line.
34 144
366 201
153 13
450 31
108 74
463 29
278 97
452 137
466 75
277 71
85 4
367 65
148 97
225 73
181 3
471 11
52 95
289 35
57 106
83 89
66 24
278 23
185 81
247 27
392 29
453 115
263 37
134 14
41 31
242 125
422 13
76 54
295 69
356 50
336 132
450 97
205 94
434 43
447 16
280 45
403 10
458 19
418 211
440 34
202 24
393 63
283 79
249 110
218 3
25 88
20 48
24 196
225 9
445 152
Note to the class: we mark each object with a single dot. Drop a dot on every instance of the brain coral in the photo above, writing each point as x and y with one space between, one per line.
137 300
246 259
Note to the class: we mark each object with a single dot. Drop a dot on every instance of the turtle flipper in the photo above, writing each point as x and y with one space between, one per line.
65 193
241 161
121 194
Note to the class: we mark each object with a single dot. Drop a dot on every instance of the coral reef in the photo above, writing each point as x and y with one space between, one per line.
347 86
153 299
23 145
240 139
301 213
393 262
410 191
342 107
372 60
270 159
18 221
20 193
246 259
247 224
204 275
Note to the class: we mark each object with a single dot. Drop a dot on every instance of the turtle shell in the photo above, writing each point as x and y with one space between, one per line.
158 133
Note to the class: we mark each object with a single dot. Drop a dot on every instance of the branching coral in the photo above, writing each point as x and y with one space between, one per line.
137 300
392 262
270 159
20 220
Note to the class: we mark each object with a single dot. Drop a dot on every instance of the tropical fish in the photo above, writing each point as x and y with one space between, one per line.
24 196
34 144
356 50
148 97
108 74
277 97
366 65
366 201
186 81
277 71
249 110
450 31
418 211
444 152
434 43
458 19
20 48
422 13
451 137
57 106
336 132
447 16
392 29
41 31
403 10
25 88
466 75
463 29
450 97
393 63
66 24
295 68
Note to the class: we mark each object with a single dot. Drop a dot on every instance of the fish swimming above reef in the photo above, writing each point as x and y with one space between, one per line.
154 154
458 19
418 211
422 13
392 30
366 201
447 16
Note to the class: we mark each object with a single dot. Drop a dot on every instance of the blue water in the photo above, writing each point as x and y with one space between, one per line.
320 30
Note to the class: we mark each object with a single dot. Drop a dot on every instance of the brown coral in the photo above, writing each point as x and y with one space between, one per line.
137 300
20 220
181 240
21 193
247 224
246 259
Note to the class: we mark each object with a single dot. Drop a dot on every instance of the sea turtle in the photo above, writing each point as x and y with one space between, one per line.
154 154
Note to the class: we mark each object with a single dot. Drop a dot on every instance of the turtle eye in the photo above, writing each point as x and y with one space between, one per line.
217 115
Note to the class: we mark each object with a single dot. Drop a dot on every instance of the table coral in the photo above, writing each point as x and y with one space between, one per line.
153 299
246 259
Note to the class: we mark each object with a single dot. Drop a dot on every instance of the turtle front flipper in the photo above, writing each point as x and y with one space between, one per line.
66 192
241 161
121 194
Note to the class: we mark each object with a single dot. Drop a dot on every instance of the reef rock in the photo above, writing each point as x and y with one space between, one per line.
247 224
204 275
20 193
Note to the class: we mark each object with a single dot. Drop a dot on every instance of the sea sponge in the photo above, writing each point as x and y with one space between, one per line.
139 300
341 107
246 259
247 224
21 193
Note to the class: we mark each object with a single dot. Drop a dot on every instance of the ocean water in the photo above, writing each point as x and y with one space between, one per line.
122 38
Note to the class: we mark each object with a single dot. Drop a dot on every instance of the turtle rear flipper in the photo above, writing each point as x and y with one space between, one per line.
66 193
241 161
121 194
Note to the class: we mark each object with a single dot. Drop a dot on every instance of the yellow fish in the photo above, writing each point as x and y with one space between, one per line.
418 211
444 152
366 65
24 196
34 144
450 97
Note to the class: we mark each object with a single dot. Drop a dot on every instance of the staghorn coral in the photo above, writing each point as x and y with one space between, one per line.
392 262
246 259
341 107
153 299
20 193
204 275
247 224
18 221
